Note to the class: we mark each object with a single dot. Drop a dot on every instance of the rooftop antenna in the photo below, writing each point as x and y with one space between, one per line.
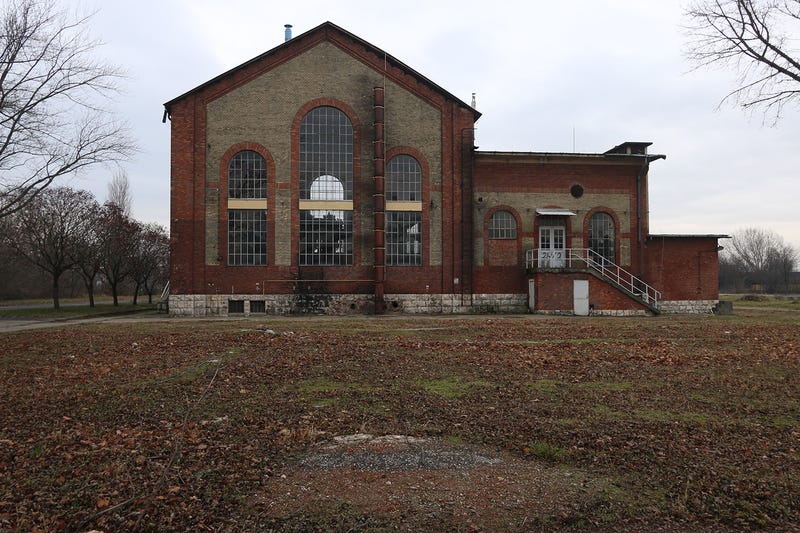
573 139
287 33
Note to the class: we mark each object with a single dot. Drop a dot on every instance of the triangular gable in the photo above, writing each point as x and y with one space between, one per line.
329 32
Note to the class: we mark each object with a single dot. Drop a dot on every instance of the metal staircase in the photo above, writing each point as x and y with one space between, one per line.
163 303
587 259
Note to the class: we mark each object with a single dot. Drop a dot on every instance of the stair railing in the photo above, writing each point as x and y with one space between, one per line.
588 258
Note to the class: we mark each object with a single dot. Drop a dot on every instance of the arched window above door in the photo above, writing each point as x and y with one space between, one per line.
602 235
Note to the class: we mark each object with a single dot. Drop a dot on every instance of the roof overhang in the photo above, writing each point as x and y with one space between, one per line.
689 236
554 212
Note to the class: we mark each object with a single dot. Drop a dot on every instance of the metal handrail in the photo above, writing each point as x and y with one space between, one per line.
588 258
165 292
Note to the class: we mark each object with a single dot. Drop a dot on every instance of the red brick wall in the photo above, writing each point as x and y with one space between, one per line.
550 177
190 273
184 223
683 268
500 280
555 292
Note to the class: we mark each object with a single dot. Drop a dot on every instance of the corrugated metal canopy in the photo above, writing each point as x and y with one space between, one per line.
554 211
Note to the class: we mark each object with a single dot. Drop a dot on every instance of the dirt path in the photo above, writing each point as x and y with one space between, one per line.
396 476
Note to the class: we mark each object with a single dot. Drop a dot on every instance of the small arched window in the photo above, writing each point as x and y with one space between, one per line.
247 176
601 235
403 211
403 179
502 225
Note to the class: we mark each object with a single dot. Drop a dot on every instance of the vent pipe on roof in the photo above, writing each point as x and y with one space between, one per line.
287 34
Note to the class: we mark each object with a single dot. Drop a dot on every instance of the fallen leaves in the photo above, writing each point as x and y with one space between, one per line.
179 427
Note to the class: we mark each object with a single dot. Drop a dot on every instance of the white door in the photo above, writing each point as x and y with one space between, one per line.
551 247
580 298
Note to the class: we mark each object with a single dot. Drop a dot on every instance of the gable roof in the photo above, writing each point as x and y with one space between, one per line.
324 29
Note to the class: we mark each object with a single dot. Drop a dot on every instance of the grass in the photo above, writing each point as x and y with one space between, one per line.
73 311
762 301
546 452
451 388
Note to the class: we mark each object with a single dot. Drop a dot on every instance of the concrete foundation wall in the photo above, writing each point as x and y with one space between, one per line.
342 304
687 307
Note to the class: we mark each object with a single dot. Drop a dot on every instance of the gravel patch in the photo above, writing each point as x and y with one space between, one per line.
394 453
399 460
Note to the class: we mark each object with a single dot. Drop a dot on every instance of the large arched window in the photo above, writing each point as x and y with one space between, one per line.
326 188
326 149
247 219
601 235
502 225
403 211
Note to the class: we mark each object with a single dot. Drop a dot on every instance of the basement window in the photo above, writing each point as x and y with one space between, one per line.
235 306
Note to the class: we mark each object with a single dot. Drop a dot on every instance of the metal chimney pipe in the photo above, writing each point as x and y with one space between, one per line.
287 34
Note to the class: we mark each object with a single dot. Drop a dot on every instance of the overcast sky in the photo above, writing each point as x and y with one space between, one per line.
580 75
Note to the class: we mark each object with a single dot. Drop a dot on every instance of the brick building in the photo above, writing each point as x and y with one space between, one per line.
327 176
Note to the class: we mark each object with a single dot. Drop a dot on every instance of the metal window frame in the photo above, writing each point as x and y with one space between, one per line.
326 149
326 238
247 237
502 225
601 235
403 179
403 246
247 175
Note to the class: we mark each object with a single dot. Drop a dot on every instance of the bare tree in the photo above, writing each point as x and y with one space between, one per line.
757 256
89 250
46 231
119 193
52 119
758 39
780 265
151 260
119 237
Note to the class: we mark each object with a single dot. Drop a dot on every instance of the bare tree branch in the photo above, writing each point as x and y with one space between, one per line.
119 193
759 39
53 96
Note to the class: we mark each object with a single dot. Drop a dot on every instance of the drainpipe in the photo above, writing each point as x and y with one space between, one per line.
639 176
642 170
379 201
